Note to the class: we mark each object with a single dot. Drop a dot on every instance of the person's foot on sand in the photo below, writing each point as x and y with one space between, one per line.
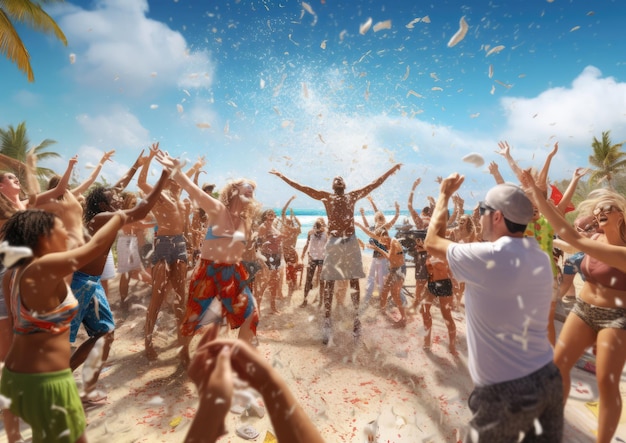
304 303
326 331
400 324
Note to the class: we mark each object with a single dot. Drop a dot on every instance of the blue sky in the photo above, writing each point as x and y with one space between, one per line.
295 86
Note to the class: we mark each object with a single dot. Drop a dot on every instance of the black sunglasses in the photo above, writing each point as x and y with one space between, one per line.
484 208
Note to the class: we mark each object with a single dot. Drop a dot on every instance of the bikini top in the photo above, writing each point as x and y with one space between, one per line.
598 272
237 236
26 322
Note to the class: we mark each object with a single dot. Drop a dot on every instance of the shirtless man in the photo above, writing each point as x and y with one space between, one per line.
169 258
342 259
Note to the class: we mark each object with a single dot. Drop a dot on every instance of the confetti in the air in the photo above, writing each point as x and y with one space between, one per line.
365 26
495 50
72 58
203 125
154 106
475 159
460 34
382 25
179 108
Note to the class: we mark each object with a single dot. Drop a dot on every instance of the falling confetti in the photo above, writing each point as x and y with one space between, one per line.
494 50
490 71
382 25
203 125
179 108
406 73
475 159
412 23
575 28
460 34
72 58
323 44
412 92
365 26
154 106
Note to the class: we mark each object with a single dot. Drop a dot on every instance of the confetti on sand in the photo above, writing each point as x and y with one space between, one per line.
460 34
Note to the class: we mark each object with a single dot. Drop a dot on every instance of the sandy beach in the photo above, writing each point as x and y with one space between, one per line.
413 395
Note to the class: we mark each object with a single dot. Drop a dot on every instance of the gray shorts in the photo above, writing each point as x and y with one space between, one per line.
502 411
598 317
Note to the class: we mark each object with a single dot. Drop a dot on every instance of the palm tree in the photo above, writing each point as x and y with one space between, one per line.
30 13
608 160
14 143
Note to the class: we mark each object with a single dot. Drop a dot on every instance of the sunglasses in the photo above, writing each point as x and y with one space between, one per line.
483 208
606 209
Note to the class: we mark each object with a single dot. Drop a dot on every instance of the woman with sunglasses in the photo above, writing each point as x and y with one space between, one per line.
220 275
598 317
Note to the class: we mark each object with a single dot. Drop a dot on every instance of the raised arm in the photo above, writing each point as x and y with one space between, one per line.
495 172
362 192
436 242
202 199
505 151
126 178
283 214
80 189
58 190
142 178
571 189
419 223
614 256
313 193
543 174
391 223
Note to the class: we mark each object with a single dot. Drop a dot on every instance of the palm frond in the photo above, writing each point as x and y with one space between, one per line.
32 14
13 48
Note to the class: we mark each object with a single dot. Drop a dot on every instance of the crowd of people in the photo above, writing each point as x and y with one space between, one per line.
497 262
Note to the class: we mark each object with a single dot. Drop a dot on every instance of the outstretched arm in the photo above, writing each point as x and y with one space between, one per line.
542 180
126 178
313 193
58 190
436 242
283 214
80 189
571 189
419 223
360 193
505 151
614 256
495 171
142 179
391 223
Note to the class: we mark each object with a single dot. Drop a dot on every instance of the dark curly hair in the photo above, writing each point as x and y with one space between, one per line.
94 199
25 228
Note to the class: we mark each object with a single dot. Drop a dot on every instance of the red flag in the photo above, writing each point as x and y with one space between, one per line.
556 196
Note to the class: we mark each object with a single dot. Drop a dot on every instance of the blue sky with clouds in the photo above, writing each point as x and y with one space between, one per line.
295 86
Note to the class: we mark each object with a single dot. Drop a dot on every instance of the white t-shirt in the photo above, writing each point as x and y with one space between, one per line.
508 290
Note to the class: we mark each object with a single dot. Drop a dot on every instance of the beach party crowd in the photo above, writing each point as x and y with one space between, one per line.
506 263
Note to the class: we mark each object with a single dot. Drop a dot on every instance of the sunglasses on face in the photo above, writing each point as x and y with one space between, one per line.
606 209
484 208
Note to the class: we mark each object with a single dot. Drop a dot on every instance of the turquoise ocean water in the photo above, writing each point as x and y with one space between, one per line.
308 216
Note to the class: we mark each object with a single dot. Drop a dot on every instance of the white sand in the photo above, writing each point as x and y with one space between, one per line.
414 396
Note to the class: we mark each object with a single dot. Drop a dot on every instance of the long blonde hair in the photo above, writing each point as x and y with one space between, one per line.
604 197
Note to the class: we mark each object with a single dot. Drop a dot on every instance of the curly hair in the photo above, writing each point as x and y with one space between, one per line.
94 199
604 197
25 228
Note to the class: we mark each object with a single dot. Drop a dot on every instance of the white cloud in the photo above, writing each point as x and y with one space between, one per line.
118 130
572 116
117 47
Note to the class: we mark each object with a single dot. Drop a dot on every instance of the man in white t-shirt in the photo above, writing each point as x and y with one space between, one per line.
508 290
